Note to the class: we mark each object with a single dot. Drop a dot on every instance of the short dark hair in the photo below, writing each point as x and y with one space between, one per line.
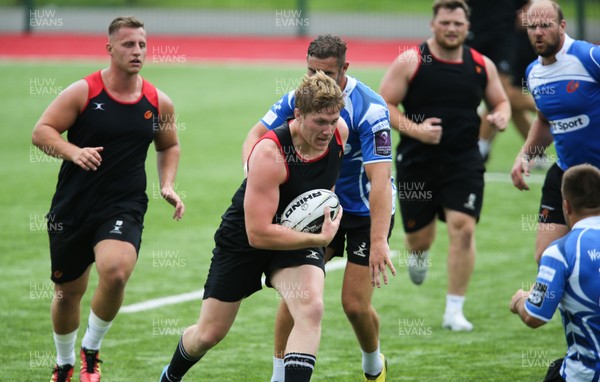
124 21
325 46
451 5
581 188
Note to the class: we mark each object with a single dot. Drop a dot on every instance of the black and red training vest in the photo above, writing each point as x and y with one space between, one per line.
125 130
451 91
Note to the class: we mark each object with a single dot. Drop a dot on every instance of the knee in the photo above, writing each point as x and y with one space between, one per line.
419 242
354 308
114 277
69 293
422 239
209 339
203 338
463 233
310 311
418 246
64 297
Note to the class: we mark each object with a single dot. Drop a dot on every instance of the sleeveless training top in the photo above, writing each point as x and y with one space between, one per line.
302 176
451 91
125 130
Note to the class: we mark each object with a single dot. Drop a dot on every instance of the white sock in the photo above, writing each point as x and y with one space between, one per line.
65 348
454 303
371 362
484 146
95 332
278 370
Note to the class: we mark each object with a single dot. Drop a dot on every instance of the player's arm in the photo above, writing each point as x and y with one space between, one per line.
537 306
58 118
538 139
376 147
394 86
344 132
517 306
168 151
253 136
342 128
393 89
266 172
496 98
380 205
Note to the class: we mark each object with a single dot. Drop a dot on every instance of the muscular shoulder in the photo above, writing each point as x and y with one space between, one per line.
74 96
266 160
490 67
165 104
342 128
397 78
408 61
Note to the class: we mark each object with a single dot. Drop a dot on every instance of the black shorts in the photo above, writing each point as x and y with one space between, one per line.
553 374
551 204
524 55
355 233
498 47
424 191
235 273
72 247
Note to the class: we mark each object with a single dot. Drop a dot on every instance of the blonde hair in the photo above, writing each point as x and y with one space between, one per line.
318 92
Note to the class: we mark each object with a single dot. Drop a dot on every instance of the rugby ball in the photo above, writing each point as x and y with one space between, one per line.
305 212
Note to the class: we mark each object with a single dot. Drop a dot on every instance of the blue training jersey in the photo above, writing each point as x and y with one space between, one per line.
369 140
569 278
567 93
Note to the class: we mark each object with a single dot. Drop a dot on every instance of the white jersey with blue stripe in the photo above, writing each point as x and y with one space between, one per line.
567 93
369 140
569 278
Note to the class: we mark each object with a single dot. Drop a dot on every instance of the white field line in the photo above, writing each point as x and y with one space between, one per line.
500 177
329 267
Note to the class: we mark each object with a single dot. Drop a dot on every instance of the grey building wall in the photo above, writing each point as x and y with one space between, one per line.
251 23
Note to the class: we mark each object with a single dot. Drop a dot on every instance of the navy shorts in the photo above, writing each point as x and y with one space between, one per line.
355 234
72 247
